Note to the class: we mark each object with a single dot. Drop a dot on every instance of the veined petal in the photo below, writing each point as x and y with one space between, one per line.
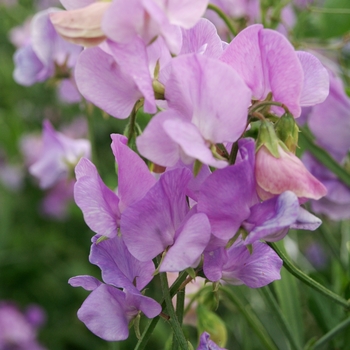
134 177
97 202
149 225
104 313
189 244
119 268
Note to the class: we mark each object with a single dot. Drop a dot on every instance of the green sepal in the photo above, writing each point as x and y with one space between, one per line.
190 347
101 239
197 167
267 137
137 326
191 272
287 131
250 248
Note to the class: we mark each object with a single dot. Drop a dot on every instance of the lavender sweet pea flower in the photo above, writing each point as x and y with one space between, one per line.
166 223
236 265
108 310
268 63
36 60
207 344
16 330
199 116
102 207
228 197
59 155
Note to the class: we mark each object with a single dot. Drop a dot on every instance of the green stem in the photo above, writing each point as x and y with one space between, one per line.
332 333
251 318
180 305
146 334
224 17
308 280
273 305
233 153
263 104
174 322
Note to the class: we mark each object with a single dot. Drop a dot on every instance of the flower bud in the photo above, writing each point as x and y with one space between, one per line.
267 137
287 131
285 173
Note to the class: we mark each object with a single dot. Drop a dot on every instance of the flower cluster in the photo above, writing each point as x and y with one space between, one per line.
219 195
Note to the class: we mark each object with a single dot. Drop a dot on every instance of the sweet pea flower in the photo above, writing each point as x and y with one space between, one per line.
228 197
108 310
58 156
102 208
18 331
237 265
199 115
36 60
268 63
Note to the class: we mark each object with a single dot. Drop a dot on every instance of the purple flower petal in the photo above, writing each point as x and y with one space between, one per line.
101 80
189 244
255 270
272 216
213 264
316 80
86 282
104 313
98 203
134 177
118 266
225 198
157 216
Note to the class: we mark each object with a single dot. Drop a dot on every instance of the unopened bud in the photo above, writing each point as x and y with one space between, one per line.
287 131
267 137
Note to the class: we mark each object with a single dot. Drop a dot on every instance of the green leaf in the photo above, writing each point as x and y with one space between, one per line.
290 302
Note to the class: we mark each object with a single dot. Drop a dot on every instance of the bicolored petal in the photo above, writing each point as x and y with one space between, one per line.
272 216
98 203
